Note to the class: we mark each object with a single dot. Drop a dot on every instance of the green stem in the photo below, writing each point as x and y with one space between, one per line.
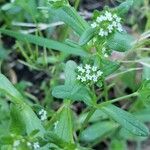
105 90
77 2
118 99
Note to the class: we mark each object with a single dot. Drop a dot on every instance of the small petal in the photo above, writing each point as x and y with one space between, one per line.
87 67
83 79
78 77
94 25
99 73
94 68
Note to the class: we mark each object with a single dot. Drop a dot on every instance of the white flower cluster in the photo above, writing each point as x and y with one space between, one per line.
43 114
88 73
29 144
107 23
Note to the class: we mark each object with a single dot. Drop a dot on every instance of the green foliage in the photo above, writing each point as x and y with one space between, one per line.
45 42
72 90
120 42
98 131
87 35
63 126
124 7
77 60
126 120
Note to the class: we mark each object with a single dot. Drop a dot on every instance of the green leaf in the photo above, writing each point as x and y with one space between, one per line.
124 7
70 17
64 127
21 113
118 144
47 43
87 35
143 114
108 67
125 134
120 42
70 74
8 89
75 92
144 92
25 120
51 137
26 5
98 131
146 73
98 115
126 120
16 122
3 52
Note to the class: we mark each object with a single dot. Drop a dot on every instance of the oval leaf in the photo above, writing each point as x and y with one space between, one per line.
120 42
126 120
98 131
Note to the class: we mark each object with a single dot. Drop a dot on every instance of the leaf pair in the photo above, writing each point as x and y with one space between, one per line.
71 89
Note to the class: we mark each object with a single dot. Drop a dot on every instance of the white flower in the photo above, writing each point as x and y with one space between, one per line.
94 25
78 77
119 27
107 23
118 19
94 68
110 27
79 68
36 145
99 73
101 32
103 49
88 71
115 16
28 144
114 23
95 78
90 75
87 67
43 114
16 143
83 79
105 33
105 55
108 16
99 19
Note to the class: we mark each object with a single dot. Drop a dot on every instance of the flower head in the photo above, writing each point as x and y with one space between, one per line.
43 114
90 74
107 23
